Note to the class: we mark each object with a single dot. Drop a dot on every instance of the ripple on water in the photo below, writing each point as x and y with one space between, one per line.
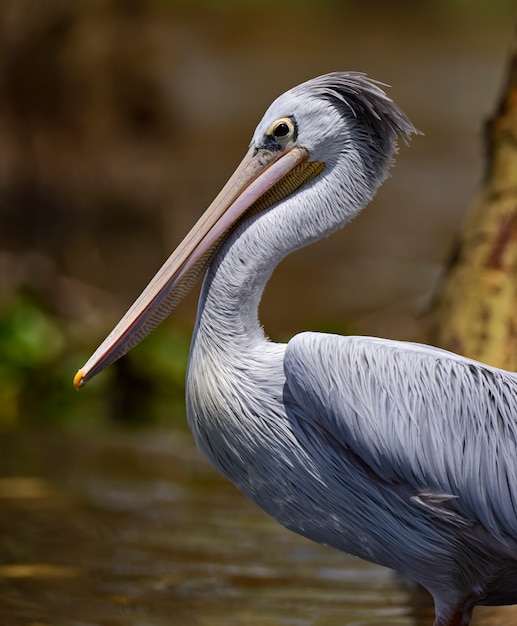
141 531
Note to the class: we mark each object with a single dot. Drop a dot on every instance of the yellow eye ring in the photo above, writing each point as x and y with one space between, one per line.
282 130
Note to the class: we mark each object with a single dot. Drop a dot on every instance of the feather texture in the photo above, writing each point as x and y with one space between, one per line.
398 453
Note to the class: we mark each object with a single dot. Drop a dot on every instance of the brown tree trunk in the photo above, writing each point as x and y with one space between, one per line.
475 312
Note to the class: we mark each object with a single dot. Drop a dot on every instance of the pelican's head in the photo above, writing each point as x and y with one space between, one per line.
339 118
332 116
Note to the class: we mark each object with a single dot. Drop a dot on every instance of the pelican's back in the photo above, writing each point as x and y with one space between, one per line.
444 425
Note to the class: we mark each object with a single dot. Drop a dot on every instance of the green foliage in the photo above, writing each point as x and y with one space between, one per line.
38 358
149 382
31 343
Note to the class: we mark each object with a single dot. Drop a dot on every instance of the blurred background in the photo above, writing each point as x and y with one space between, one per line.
121 119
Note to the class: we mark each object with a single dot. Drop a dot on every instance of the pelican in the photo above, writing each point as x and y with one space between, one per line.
398 453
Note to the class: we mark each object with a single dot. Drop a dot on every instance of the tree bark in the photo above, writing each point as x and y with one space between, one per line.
475 311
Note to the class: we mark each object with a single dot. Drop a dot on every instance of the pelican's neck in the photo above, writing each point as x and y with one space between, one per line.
235 281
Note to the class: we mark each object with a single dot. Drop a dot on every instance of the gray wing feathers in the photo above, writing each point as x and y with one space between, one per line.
418 416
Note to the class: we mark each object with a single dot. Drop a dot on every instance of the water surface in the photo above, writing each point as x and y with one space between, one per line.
138 530
141 531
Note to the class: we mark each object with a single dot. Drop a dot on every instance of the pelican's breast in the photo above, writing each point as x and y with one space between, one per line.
235 405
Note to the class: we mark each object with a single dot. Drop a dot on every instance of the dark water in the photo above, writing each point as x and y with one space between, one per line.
141 531
114 530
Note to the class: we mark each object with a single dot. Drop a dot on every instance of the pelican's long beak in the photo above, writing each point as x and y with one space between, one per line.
261 171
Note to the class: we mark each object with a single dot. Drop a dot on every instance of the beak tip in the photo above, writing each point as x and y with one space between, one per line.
79 380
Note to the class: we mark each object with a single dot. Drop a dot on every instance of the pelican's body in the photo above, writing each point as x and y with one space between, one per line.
402 454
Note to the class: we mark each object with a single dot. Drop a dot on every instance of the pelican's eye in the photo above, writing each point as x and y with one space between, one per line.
282 130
